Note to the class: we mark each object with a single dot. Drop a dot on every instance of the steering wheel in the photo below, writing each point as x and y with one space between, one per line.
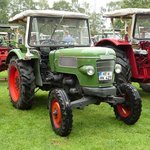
48 42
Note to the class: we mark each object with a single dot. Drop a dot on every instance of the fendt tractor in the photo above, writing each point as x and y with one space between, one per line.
133 50
5 45
56 56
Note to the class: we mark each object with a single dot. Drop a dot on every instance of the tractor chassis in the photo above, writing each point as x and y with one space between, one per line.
85 101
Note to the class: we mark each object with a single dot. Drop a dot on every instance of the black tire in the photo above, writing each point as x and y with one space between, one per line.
60 112
145 87
130 110
21 81
125 75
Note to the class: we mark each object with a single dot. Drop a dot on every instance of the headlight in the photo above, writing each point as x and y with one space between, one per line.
118 68
90 70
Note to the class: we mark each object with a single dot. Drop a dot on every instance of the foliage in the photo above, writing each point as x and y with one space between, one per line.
128 4
3 11
135 4
95 23
114 5
94 127
74 6
17 6
62 5
42 4
12 7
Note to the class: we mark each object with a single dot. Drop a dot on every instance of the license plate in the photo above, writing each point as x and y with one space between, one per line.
105 75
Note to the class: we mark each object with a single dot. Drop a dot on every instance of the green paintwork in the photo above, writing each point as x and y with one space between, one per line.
82 56
22 54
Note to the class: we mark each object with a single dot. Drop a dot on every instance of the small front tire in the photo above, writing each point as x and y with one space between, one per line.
130 110
60 112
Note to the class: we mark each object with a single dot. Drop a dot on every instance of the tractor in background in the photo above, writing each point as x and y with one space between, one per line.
133 50
6 44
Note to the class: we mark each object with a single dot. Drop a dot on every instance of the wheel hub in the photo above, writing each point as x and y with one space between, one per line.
56 113
17 83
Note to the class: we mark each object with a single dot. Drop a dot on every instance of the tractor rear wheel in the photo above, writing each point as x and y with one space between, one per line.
21 82
121 58
145 87
60 112
130 110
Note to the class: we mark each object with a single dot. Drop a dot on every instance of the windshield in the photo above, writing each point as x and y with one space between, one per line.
142 27
46 31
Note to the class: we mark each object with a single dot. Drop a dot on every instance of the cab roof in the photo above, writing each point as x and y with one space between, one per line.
126 12
21 17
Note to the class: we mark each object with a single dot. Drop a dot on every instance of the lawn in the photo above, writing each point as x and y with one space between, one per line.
94 128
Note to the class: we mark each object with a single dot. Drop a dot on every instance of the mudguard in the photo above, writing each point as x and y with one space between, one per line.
114 42
34 56
22 55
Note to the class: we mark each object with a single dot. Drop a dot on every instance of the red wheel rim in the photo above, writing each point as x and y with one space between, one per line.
123 111
14 83
56 113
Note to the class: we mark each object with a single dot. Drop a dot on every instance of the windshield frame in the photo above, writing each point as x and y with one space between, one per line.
60 45
134 27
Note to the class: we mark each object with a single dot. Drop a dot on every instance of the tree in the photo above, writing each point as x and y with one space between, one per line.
114 5
76 6
95 23
128 4
42 4
17 6
3 11
62 5
135 4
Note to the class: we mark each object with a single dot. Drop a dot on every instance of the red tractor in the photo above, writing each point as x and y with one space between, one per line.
6 44
133 49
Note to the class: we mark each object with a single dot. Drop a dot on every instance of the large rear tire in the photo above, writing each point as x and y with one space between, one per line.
21 83
60 112
121 58
130 110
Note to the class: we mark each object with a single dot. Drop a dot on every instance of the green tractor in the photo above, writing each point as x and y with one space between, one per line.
57 57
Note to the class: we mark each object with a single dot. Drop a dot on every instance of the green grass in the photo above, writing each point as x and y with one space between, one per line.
94 128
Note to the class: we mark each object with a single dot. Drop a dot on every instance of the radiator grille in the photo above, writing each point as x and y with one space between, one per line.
105 66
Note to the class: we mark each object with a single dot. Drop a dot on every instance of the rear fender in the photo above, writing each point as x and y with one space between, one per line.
34 60
22 55
112 42
124 46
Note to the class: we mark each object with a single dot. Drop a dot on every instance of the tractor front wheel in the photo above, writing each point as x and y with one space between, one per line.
60 112
130 110
21 83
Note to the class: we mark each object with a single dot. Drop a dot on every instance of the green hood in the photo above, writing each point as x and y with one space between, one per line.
87 52
73 60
